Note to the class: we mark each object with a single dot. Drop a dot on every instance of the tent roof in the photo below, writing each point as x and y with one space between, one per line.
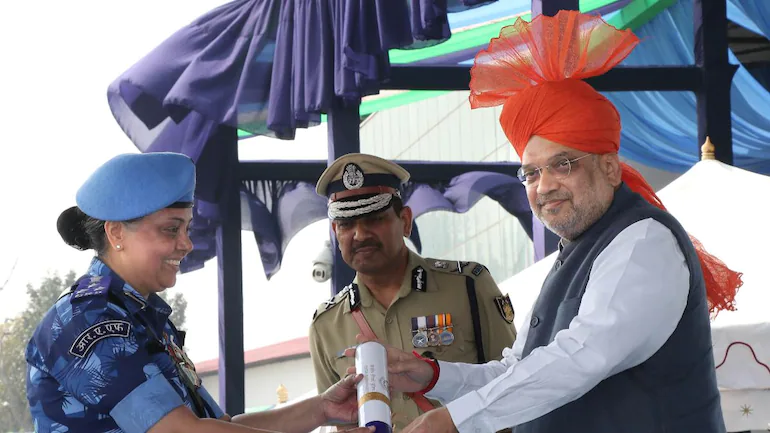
723 207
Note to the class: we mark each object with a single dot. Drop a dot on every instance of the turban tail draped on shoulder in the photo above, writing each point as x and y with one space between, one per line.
536 71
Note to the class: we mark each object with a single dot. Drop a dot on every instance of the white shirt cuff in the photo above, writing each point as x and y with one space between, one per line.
447 384
464 412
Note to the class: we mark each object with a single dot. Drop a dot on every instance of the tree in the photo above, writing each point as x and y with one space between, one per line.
179 306
10 274
15 334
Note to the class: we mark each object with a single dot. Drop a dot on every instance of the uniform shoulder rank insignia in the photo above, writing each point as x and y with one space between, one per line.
419 279
471 269
91 286
505 307
334 300
108 328
354 297
478 269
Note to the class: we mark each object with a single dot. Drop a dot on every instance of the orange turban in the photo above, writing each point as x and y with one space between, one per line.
536 71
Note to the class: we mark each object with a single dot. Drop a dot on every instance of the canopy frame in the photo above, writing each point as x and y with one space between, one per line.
710 79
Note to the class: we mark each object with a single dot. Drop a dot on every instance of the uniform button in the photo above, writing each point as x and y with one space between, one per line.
534 322
405 397
389 320
557 265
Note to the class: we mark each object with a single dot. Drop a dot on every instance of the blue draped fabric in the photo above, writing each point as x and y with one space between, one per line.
268 67
461 193
660 128
754 15
275 211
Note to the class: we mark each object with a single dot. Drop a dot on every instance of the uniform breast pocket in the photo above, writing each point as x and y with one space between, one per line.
461 347
567 311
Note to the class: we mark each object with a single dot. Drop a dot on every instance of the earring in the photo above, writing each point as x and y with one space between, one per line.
117 247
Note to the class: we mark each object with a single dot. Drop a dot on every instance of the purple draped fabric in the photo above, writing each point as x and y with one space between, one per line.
462 192
277 210
268 67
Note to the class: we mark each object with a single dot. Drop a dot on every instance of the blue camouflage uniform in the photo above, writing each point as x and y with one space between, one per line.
95 366
105 359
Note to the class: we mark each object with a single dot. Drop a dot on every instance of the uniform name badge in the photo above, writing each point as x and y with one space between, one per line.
184 365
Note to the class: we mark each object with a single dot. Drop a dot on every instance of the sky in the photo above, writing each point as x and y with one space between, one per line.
58 60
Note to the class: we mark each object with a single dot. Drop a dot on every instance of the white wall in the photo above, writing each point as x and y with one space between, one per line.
262 381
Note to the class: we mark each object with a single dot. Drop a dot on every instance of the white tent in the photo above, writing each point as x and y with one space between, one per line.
725 208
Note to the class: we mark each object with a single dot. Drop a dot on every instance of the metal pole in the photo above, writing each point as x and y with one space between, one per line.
231 364
713 98
343 124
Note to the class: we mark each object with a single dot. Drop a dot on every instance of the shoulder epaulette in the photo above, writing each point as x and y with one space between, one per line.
471 269
334 300
90 286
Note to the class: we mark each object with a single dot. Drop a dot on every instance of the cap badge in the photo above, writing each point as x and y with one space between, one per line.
353 177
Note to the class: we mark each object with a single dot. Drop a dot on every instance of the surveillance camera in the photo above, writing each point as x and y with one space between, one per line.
322 272
322 265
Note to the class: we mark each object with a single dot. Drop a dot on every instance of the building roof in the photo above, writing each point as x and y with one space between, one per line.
291 349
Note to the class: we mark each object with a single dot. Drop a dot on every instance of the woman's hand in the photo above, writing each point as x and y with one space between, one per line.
339 402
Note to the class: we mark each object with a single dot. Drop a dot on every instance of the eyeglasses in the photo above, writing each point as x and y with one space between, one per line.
559 168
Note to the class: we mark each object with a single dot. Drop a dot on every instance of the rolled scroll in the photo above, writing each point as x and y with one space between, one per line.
373 390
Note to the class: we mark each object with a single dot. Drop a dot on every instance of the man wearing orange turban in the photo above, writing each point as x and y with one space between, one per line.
619 339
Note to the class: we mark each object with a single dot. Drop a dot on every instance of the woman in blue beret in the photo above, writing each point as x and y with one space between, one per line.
106 358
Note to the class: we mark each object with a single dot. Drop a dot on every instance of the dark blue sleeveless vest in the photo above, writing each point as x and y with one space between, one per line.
675 390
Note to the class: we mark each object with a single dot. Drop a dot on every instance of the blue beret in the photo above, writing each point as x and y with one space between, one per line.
134 185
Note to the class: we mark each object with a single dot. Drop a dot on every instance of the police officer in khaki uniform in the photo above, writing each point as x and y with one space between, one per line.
448 310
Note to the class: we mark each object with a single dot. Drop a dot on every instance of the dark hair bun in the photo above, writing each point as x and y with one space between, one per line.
70 227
